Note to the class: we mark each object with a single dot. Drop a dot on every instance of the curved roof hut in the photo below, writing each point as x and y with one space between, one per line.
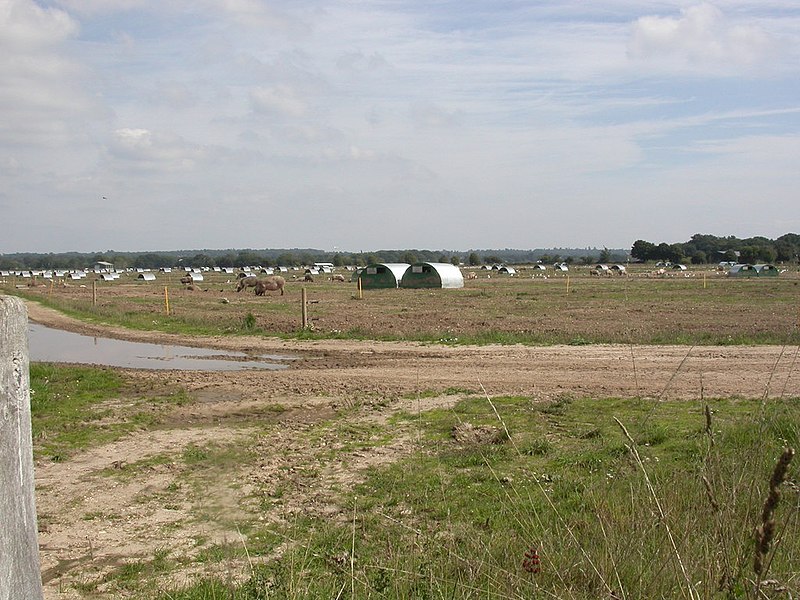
382 275
766 270
743 270
507 270
147 276
432 275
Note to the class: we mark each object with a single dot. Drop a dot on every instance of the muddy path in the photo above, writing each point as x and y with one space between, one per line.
332 367
124 501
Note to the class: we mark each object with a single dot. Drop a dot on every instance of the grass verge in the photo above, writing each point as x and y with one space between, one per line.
512 498
73 408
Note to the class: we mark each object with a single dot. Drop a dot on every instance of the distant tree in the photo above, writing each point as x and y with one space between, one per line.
408 257
699 258
588 260
338 260
755 254
442 258
605 256
569 260
492 259
785 251
248 258
642 250
768 254
10 264
454 260
474 260
370 259
748 254
225 260
120 261
676 254
663 251
287 259
151 261
199 260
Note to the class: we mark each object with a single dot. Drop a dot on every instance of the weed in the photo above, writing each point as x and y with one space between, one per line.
249 322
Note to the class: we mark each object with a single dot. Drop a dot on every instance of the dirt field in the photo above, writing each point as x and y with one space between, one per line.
702 307
91 522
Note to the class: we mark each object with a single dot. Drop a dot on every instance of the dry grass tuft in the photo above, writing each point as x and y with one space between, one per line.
765 532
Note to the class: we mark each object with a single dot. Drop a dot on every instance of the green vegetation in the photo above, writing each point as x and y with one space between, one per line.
702 249
610 512
632 498
71 411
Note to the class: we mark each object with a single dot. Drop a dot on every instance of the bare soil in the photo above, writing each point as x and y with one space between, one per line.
93 519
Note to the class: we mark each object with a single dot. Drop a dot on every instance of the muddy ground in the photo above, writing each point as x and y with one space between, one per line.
91 522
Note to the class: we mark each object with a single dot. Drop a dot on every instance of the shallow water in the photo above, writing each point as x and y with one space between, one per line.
54 345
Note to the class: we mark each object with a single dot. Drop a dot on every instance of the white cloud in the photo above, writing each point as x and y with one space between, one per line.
41 94
26 25
258 14
141 148
174 94
281 98
701 38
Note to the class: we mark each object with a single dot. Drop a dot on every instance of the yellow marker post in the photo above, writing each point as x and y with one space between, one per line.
166 300
568 284
360 290
704 281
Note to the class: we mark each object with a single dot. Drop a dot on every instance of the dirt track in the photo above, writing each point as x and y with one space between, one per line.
334 367
129 518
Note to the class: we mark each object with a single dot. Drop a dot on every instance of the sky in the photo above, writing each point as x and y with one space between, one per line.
136 125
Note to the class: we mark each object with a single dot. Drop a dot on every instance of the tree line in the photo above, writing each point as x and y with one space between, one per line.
700 249
705 249
298 257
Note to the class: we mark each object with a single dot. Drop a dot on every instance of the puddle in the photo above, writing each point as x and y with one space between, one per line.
54 345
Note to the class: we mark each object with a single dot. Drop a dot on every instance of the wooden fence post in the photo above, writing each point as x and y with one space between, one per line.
304 308
20 574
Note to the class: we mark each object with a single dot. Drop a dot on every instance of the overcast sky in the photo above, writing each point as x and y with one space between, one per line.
135 125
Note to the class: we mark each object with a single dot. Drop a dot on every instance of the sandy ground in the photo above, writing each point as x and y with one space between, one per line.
91 522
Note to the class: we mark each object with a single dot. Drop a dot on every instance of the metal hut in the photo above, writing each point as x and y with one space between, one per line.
743 270
766 270
382 275
432 275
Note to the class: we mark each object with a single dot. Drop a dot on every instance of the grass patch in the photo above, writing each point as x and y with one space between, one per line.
459 520
74 408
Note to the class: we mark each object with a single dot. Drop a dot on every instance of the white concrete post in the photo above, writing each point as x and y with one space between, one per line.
20 576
